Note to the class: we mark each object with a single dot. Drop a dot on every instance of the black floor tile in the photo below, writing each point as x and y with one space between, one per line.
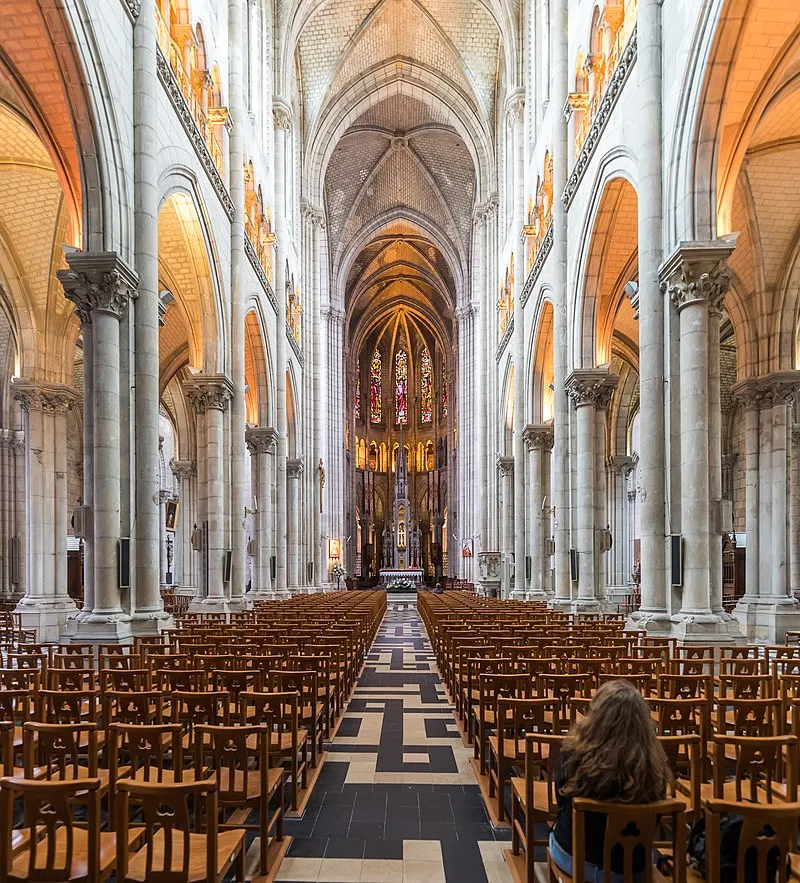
307 847
339 847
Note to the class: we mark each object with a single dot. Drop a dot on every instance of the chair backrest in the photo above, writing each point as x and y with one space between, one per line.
150 750
236 682
132 707
684 754
71 679
68 706
56 749
124 679
760 762
48 807
768 834
542 762
232 752
630 836
748 717
182 680
20 679
165 811
279 711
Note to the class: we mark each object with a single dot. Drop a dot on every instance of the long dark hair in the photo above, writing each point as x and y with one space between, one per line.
613 752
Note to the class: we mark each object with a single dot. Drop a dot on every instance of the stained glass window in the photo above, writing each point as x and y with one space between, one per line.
444 394
357 403
375 410
426 399
401 387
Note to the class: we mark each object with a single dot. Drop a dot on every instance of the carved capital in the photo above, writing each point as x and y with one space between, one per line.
98 282
506 466
698 273
777 388
591 386
619 465
294 468
281 116
207 391
52 398
183 469
538 437
515 108
261 440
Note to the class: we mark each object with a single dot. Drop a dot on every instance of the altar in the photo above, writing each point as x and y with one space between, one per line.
413 575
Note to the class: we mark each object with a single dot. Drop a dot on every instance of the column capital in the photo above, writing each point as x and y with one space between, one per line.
620 464
98 282
538 436
505 465
698 272
779 387
261 440
208 391
294 467
52 398
183 469
281 115
164 495
515 107
591 386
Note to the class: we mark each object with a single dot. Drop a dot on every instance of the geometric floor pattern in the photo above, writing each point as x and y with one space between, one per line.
396 799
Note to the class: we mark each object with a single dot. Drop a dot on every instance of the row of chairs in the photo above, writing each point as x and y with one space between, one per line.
728 721
181 758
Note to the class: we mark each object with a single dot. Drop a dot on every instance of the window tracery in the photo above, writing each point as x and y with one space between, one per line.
357 402
375 410
426 386
401 387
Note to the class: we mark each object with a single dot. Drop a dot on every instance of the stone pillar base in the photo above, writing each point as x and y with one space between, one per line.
653 622
47 615
705 628
766 620
151 623
91 628
541 597
210 605
244 602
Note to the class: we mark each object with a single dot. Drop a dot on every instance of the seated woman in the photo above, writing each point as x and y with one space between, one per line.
611 754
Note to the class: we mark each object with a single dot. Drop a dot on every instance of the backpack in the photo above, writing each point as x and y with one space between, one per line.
730 832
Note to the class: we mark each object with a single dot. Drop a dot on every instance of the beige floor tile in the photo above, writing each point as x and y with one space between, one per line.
422 850
299 869
494 862
423 872
381 871
340 870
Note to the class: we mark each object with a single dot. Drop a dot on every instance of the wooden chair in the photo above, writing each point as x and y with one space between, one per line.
765 831
533 798
56 849
124 679
491 688
507 748
764 769
306 685
631 830
54 752
239 759
288 740
174 850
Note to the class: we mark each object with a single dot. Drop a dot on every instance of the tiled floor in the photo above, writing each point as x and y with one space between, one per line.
397 799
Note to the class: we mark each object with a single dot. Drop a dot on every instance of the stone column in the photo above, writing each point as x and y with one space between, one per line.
282 120
696 278
769 606
17 442
185 570
539 440
238 493
589 388
147 612
515 110
294 469
163 496
617 470
101 285
505 466
46 605
794 513
209 395
319 552
480 363
653 611
601 523
561 161
261 443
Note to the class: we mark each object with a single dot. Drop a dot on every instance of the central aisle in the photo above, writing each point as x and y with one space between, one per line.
396 799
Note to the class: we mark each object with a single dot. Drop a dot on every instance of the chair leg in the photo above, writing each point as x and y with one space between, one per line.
501 810
241 860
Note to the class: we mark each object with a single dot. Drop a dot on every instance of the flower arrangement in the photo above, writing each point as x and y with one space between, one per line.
400 585
339 572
